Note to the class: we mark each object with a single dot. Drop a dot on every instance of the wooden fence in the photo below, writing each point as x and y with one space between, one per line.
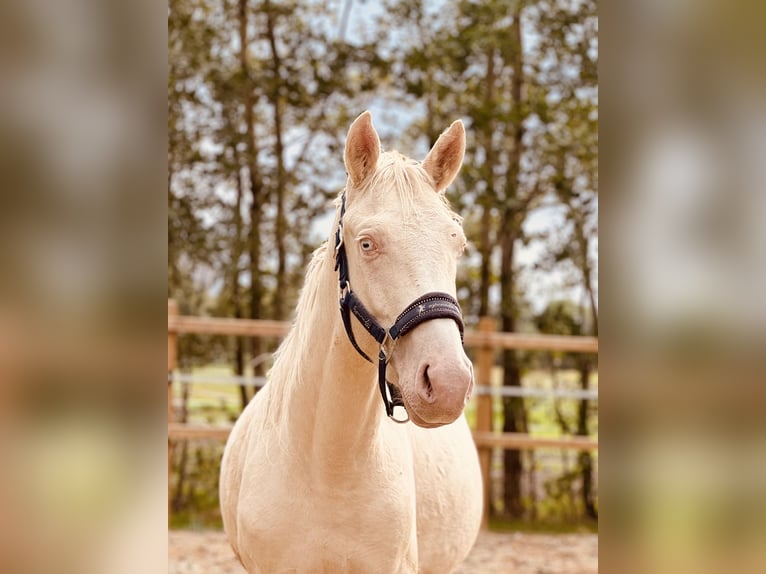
485 339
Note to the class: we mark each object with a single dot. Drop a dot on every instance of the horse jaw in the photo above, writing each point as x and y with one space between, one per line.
434 375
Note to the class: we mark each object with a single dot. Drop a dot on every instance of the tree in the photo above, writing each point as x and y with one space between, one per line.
566 318
188 243
571 145
259 98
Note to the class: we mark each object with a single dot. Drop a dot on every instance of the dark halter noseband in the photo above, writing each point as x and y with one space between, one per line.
426 308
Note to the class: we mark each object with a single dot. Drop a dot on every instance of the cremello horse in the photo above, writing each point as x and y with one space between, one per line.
315 477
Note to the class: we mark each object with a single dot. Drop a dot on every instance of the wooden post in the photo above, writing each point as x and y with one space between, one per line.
172 353
485 360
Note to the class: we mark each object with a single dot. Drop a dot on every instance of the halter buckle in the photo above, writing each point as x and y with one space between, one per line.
344 289
339 237
388 346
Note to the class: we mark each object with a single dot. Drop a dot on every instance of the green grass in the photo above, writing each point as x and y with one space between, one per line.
544 527
196 519
212 403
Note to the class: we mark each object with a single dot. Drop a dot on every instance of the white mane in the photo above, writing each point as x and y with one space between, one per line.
285 376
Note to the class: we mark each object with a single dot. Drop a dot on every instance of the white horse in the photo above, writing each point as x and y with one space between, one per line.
315 477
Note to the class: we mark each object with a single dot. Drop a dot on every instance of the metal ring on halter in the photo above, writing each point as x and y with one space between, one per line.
339 237
345 289
401 421
390 399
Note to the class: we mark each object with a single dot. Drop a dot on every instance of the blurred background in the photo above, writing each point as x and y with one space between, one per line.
681 150
260 97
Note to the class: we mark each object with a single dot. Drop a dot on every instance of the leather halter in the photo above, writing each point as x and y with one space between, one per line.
430 306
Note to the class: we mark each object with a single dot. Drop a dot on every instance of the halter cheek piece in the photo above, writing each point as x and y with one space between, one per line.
428 307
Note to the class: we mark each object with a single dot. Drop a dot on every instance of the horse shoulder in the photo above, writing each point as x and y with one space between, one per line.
235 467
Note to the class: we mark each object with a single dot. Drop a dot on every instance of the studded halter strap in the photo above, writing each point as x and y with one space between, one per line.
430 306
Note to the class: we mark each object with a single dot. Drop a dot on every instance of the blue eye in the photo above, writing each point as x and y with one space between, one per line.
367 245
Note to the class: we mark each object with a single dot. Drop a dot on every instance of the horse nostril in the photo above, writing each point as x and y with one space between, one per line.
427 383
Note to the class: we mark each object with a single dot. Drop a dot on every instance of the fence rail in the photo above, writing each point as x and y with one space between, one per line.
473 338
527 392
485 339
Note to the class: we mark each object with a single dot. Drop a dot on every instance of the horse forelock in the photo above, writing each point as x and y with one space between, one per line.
407 178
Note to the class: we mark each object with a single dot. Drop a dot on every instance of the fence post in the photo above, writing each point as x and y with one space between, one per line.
484 362
172 353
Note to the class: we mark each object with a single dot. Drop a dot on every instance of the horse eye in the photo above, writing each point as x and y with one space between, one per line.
367 245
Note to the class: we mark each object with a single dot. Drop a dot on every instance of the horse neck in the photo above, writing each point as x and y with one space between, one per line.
331 406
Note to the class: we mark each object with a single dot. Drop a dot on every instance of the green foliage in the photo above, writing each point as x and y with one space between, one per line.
442 61
560 318
195 503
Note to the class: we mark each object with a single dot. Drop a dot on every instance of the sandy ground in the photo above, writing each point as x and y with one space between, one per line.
494 553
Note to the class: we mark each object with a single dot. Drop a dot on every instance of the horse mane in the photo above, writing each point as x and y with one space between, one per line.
285 375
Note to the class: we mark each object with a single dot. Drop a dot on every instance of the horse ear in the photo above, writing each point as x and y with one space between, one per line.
362 149
444 160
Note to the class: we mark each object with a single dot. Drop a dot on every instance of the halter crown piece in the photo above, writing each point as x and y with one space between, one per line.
430 306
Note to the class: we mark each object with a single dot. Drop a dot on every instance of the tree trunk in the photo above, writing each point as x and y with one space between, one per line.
236 299
585 458
178 497
515 416
485 275
281 181
256 185
584 245
173 280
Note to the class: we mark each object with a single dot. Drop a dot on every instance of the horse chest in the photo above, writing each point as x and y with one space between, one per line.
358 517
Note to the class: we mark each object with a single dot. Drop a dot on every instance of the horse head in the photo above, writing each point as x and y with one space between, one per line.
402 241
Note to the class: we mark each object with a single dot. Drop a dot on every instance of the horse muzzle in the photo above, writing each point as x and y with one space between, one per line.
440 390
